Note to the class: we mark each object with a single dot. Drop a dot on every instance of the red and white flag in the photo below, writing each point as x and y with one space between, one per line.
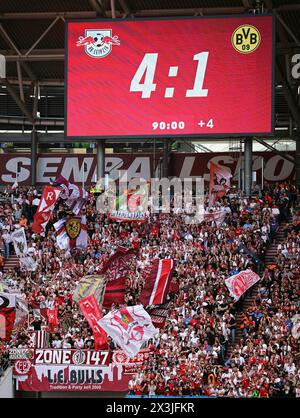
40 338
62 237
75 196
46 206
219 182
129 327
92 314
239 283
157 282
217 216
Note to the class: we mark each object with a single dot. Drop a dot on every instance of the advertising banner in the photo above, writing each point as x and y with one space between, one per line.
276 168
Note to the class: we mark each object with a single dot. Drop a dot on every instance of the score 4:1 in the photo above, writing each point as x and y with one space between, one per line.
147 67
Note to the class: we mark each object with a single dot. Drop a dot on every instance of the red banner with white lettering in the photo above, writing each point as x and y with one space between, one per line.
239 283
68 370
276 167
44 211
92 313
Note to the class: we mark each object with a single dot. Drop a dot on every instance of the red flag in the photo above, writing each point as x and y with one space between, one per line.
92 313
157 283
219 182
118 268
114 292
53 316
44 211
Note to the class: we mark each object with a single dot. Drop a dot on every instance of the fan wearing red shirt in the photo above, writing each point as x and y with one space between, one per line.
264 391
136 243
160 387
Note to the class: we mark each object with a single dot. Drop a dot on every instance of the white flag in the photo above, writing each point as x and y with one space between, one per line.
129 327
19 240
20 245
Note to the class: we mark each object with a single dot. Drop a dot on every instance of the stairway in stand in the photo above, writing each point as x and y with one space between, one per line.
271 252
270 257
11 263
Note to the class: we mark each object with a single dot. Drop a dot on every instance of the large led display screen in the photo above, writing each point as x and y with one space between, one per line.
210 76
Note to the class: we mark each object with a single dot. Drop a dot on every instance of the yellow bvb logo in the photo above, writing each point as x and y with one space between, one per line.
246 39
73 227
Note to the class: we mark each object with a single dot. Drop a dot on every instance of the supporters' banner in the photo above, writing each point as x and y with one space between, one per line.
20 245
71 233
40 339
131 206
92 313
22 312
70 378
52 315
75 196
219 182
126 216
239 283
118 269
159 314
71 357
21 353
129 327
46 206
19 241
91 285
130 364
157 282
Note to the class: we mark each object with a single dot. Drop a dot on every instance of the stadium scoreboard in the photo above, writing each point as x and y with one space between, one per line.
208 76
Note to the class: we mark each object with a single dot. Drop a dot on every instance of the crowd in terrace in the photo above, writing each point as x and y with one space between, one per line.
190 355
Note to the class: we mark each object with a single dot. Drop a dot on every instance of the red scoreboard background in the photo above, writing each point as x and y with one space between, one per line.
170 77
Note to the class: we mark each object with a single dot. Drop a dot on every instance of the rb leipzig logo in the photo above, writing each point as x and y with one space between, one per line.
98 42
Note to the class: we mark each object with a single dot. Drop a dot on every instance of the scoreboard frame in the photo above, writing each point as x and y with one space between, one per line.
88 138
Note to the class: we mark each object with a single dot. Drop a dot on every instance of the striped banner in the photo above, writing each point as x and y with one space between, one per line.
40 338
157 282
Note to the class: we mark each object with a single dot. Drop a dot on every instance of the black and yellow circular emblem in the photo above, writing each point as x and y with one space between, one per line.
246 39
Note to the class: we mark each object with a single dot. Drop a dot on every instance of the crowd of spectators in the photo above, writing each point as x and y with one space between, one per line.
190 355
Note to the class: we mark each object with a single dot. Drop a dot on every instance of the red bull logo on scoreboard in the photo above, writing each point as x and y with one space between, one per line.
98 42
